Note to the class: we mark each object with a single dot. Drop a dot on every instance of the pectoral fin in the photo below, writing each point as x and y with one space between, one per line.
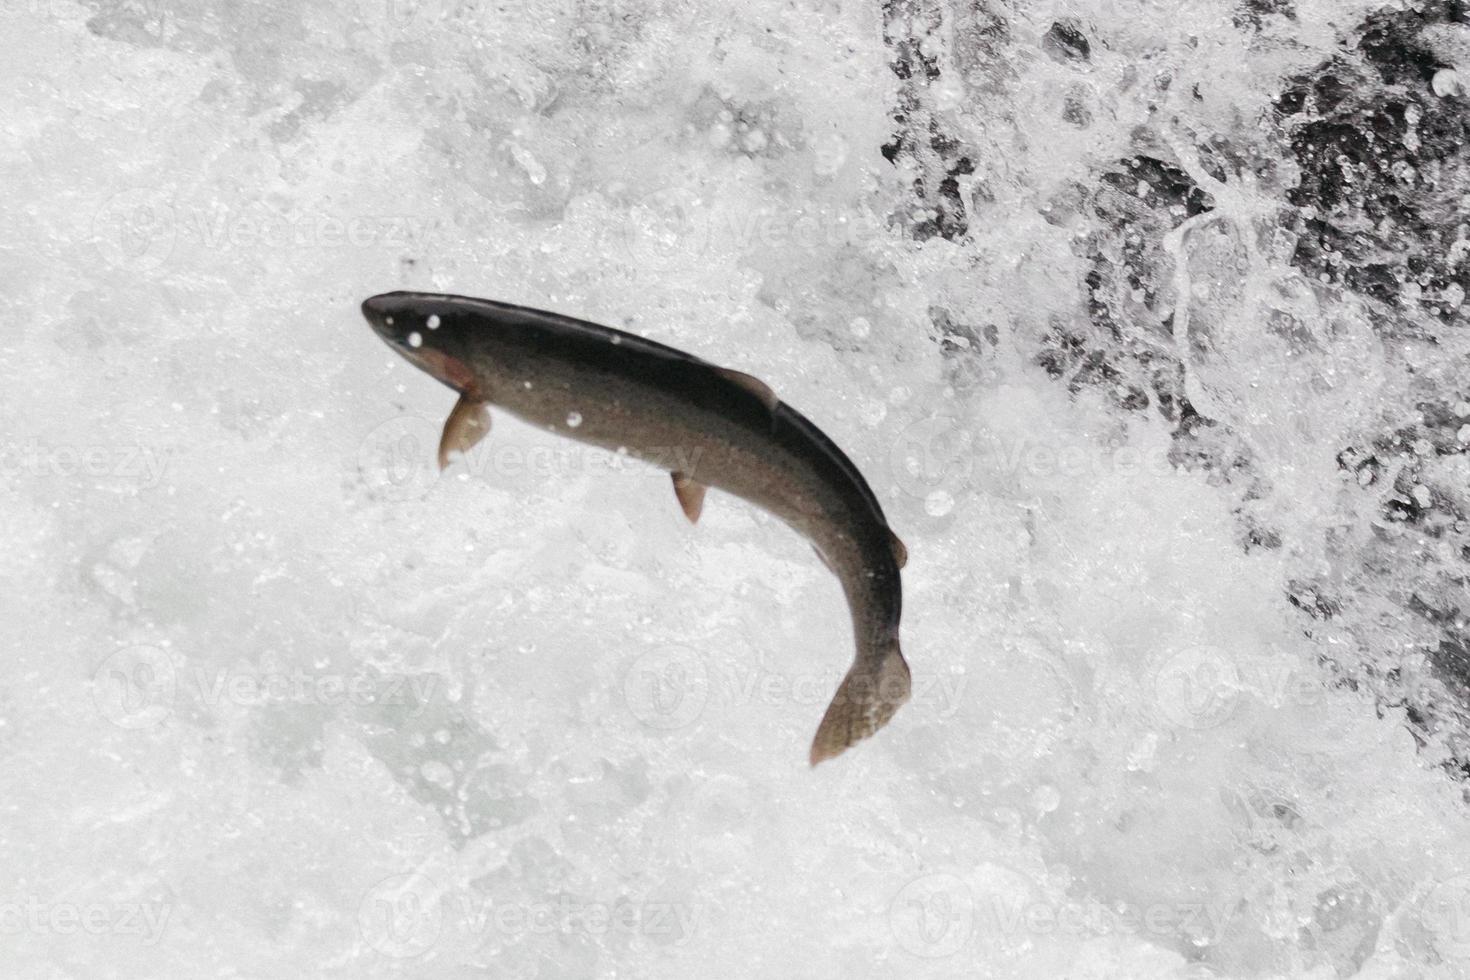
690 494
467 424
753 385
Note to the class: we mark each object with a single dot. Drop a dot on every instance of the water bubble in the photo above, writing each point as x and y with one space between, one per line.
437 773
434 321
415 339
574 419
860 327
933 916
938 503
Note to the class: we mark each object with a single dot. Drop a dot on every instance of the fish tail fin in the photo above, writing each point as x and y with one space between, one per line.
871 692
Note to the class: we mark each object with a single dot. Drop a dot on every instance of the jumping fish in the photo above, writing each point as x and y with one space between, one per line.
623 393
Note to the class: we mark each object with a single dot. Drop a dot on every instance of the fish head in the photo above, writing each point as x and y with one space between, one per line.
425 329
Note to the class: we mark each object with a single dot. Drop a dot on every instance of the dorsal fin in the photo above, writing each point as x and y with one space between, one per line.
690 494
752 384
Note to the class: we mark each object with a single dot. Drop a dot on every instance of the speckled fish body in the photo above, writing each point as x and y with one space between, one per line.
709 426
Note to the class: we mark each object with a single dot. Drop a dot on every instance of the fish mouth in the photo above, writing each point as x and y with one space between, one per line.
379 315
409 329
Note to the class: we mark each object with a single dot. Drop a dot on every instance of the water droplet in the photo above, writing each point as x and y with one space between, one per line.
938 503
388 320
415 339
437 773
434 321
574 419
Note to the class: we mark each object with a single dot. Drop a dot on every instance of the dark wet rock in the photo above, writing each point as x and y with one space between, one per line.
1075 111
1384 166
1066 42
1126 343
1252 14
1370 166
920 134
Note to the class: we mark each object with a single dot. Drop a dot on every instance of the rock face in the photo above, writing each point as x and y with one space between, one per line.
1361 165
1383 162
